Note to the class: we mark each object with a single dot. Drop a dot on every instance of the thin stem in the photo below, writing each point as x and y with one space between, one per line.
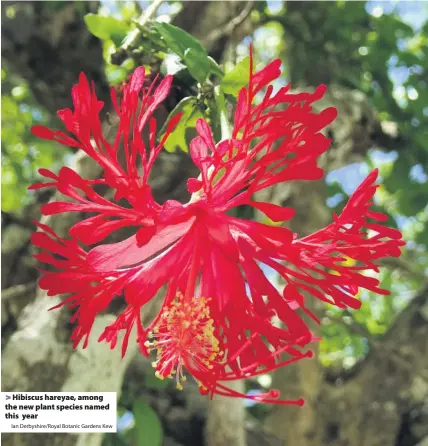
225 135
222 114
145 17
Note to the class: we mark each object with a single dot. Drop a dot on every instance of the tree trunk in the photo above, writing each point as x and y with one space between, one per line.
39 357
225 419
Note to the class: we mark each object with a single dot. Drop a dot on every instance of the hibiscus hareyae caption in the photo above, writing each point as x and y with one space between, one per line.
221 319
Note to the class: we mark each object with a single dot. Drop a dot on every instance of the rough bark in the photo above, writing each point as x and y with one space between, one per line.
225 419
39 358
48 44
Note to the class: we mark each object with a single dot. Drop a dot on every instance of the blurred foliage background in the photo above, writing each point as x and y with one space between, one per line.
379 49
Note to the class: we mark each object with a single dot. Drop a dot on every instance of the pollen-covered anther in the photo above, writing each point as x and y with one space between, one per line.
184 337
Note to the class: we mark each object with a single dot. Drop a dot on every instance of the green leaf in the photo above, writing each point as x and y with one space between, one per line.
128 64
188 48
222 113
197 64
408 58
172 65
113 439
237 78
187 106
178 40
215 68
106 28
115 74
148 428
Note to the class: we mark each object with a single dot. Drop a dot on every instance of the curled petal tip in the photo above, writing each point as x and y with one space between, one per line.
274 393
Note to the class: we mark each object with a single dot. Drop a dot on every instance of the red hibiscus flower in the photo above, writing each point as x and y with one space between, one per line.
216 315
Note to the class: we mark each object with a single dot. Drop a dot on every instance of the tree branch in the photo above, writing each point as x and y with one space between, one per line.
147 15
49 47
228 29
16 291
354 327
8 218
407 267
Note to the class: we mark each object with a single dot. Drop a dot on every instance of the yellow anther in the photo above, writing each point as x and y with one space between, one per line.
184 334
